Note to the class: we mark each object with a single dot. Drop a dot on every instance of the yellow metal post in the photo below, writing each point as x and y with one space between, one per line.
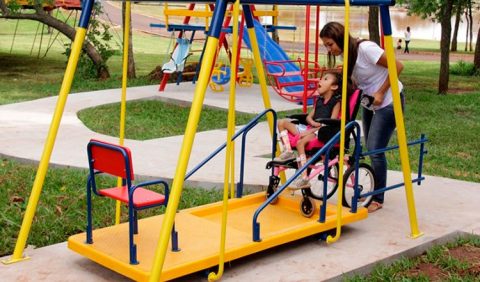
184 157
263 84
123 103
401 136
48 147
346 37
230 151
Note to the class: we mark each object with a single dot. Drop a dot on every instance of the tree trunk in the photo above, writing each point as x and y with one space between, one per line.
476 57
466 35
458 15
373 32
131 60
41 16
470 24
444 47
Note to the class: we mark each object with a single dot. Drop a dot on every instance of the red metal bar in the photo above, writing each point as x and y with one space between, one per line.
305 68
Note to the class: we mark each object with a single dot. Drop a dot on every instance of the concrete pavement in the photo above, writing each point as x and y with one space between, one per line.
445 207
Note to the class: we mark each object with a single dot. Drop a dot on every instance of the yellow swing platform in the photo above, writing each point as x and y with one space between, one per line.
199 237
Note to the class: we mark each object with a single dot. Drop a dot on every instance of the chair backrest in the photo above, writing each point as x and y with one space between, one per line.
110 158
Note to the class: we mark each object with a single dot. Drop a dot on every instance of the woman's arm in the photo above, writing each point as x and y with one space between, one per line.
380 94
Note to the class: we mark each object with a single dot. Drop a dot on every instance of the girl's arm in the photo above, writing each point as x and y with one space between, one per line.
310 120
336 111
380 94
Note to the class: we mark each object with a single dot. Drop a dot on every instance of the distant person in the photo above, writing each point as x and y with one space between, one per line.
399 44
408 36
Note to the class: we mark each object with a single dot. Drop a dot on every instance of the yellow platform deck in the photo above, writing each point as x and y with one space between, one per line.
199 236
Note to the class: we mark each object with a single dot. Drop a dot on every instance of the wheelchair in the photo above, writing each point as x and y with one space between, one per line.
324 170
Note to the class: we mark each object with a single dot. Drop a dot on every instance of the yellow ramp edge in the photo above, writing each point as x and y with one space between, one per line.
199 235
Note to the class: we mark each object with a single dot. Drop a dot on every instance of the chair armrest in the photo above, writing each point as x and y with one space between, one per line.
152 182
89 182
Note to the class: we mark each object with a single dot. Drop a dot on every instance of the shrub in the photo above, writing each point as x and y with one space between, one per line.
463 68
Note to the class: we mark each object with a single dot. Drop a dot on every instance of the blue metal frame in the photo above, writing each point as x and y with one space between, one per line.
243 131
419 178
132 210
358 155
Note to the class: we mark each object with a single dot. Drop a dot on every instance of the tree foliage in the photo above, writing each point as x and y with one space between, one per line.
37 10
438 11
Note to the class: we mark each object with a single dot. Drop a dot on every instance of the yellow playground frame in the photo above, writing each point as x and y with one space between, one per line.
205 238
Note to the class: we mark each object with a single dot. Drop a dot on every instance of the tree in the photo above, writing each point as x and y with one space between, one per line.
446 15
373 32
440 11
470 23
131 60
476 57
13 11
458 16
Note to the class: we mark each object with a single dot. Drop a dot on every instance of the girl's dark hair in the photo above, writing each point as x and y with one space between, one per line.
338 81
336 32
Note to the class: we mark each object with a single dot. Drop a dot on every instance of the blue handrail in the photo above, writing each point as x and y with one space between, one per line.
243 131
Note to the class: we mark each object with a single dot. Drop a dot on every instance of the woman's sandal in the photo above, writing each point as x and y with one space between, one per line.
374 206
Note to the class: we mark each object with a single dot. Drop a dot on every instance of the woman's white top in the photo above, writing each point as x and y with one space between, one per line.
407 35
368 75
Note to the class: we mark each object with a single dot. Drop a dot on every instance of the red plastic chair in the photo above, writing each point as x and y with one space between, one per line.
115 160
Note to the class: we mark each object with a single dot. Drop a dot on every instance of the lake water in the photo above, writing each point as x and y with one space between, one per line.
420 28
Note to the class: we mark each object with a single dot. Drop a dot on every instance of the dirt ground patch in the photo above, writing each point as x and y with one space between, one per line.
454 261
469 255
433 272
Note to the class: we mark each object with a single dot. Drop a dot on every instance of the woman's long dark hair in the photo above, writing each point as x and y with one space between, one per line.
336 32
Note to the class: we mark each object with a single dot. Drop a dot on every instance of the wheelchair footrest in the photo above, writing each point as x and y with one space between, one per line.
288 164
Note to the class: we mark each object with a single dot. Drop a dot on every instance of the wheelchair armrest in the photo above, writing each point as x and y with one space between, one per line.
301 118
328 121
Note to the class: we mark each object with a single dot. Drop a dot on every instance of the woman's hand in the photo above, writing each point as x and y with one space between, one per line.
378 98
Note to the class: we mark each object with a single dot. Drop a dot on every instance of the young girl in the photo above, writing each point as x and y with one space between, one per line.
367 66
327 106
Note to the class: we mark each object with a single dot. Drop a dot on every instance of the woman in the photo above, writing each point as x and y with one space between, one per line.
408 36
367 67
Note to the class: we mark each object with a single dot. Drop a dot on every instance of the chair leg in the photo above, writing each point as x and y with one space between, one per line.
135 221
131 227
175 247
89 215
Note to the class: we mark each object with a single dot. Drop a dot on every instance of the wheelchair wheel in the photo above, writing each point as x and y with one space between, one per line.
366 183
332 183
307 207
